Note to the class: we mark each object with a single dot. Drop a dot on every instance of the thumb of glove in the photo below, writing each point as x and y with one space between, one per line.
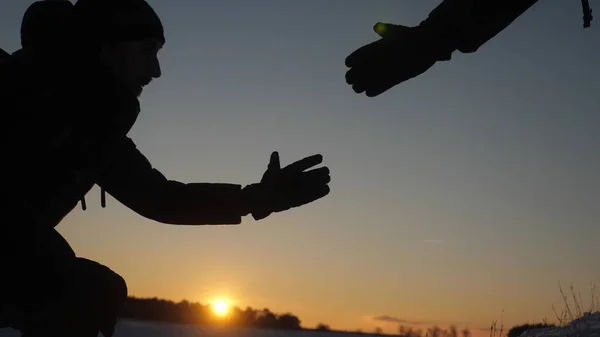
387 30
273 168
274 164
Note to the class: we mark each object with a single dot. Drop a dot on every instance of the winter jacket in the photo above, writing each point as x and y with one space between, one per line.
65 130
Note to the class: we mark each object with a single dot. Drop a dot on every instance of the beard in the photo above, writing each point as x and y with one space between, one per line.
137 90
139 86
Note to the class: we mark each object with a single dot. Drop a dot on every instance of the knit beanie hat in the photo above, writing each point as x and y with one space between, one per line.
100 22
46 23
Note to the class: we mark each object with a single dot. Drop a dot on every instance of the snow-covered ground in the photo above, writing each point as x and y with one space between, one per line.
587 326
142 329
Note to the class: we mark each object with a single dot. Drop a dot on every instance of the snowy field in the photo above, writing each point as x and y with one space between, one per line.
142 329
586 326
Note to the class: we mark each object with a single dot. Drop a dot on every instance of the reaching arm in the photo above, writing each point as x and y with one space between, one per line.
471 23
405 52
135 183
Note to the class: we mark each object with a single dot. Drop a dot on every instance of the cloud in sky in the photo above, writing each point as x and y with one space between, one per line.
423 324
398 320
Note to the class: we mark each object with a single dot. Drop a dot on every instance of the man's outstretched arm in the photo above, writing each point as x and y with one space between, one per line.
133 181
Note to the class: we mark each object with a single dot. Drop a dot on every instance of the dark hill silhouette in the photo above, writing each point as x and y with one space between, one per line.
185 312
159 310
516 331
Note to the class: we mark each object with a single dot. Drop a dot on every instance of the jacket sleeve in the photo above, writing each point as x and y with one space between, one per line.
471 23
132 180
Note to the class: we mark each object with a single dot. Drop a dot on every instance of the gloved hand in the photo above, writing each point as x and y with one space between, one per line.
292 186
401 54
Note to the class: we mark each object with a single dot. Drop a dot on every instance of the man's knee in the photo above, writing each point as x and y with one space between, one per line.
101 295
92 295
101 282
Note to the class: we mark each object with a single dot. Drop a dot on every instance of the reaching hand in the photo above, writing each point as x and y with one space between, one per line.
292 186
401 54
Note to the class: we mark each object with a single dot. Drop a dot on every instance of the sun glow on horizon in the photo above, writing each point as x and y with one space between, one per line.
220 307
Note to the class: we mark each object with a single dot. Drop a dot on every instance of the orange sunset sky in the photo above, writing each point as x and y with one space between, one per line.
467 191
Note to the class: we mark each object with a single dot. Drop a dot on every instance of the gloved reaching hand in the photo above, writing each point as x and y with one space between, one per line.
283 188
401 54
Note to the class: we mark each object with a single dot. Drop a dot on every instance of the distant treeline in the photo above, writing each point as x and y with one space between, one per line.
158 310
184 312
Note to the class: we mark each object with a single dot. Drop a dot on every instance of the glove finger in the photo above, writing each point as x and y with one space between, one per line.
382 86
364 83
377 91
372 71
357 74
301 196
388 30
310 195
304 164
381 29
369 78
387 83
274 161
260 215
389 72
305 189
317 176
273 168
363 54
351 76
391 35
395 74
359 89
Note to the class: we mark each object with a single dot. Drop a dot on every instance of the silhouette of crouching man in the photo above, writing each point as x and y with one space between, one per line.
51 282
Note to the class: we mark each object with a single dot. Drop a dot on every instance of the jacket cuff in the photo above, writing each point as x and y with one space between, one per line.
208 204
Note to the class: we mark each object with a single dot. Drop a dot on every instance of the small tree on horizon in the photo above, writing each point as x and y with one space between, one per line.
322 327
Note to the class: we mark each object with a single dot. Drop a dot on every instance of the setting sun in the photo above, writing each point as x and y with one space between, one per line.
220 307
